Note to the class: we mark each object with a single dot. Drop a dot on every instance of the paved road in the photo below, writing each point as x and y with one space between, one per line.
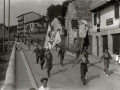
68 78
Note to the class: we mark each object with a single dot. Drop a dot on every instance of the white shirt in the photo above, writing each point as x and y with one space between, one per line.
42 88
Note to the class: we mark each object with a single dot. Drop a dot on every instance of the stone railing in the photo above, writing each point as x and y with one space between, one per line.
9 83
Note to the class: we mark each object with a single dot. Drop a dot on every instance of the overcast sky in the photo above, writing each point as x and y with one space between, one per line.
19 7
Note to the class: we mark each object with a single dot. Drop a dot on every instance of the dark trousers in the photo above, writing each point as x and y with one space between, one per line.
61 59
83 70
106 64
37 58
41 59
49 67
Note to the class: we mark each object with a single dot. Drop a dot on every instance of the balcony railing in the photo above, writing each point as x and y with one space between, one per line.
20 24
19 20
107 29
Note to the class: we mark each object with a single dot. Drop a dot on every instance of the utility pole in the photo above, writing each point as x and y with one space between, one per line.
4 31
9 27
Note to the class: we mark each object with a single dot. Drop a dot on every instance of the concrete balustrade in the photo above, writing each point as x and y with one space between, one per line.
9 83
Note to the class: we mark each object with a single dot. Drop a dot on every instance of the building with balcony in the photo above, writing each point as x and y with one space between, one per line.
36 26
105 26
25 19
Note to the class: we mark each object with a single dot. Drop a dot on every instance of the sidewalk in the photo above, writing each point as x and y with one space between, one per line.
22 79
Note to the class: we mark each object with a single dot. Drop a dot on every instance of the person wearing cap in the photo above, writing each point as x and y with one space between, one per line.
37 51
44 84
49 58
42 53
83 66
61 52
107 57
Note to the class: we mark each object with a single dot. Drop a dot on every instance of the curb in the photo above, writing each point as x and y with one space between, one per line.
32 79
9 83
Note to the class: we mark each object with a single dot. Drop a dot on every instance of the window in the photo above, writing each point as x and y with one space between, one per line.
116 10
35 25
74 24
95 19
31 25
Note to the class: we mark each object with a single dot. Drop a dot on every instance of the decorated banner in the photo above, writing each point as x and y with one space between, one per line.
83 28
51 38
56 25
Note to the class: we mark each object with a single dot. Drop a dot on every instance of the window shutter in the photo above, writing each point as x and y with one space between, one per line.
117 10
95 19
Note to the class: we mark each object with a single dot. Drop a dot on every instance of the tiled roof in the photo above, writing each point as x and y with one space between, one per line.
27 13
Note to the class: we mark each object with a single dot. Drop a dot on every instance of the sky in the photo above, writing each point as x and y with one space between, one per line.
18 7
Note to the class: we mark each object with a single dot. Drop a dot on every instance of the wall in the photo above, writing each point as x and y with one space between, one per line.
71 14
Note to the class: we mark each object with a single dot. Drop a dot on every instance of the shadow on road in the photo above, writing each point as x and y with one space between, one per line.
59 71
71 61
93 64
92 77
112 71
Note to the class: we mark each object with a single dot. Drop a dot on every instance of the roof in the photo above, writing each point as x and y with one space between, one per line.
42 19
37 21
27 13
99 4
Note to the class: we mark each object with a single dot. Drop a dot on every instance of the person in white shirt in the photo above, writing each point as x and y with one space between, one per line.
44 84
118 58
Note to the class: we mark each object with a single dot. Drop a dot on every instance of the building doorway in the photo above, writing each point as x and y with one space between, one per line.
116 43
97 39
105 42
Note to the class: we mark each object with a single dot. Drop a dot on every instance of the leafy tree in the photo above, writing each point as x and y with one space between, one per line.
54 11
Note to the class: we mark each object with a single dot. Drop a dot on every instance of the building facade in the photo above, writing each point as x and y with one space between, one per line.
105 26
26 18
2 31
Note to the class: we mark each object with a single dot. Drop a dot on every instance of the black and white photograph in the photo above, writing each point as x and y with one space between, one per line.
59 44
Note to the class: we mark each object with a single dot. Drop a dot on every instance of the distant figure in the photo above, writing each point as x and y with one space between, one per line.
83 66
44 84
107 57
42 53
49 59
118 58
61 52
29 45
37 51
32 89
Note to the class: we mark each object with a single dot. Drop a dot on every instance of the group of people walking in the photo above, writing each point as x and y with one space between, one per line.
44 55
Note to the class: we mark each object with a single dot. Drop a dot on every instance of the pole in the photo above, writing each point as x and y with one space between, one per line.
9 27
4 31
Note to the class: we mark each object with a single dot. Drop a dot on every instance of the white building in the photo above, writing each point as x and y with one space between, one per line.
25 18
106 26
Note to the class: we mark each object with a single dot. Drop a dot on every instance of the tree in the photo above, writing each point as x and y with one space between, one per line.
54 11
